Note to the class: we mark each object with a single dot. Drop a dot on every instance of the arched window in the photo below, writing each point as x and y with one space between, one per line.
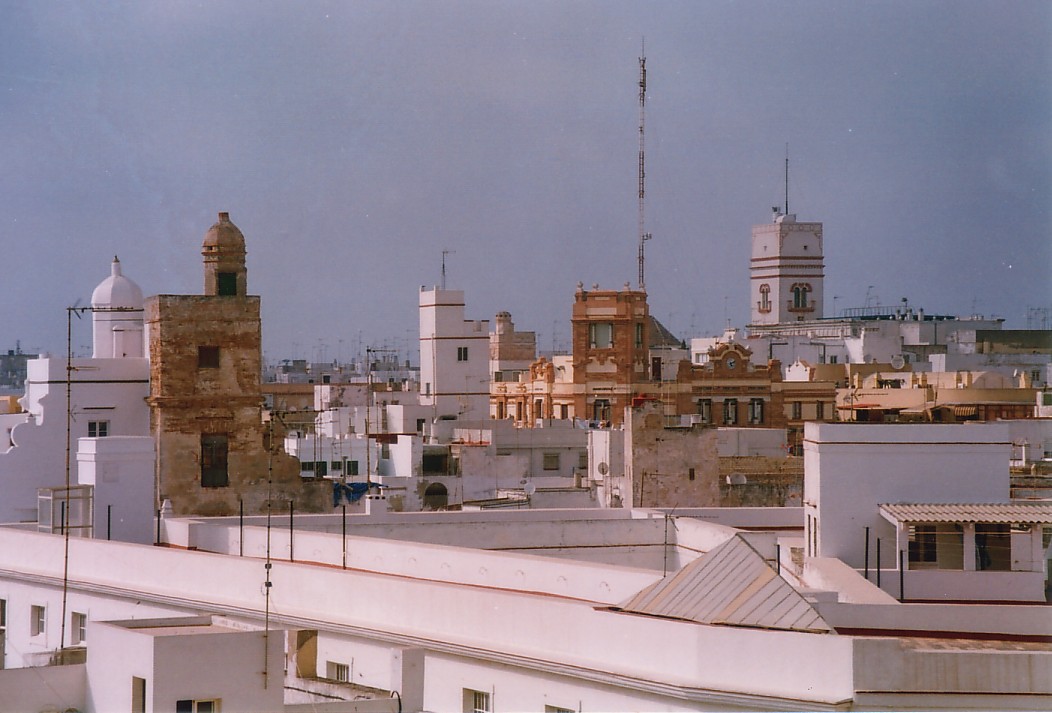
801 302
764 304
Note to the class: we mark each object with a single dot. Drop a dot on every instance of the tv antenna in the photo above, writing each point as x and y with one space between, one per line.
787 178
444 253
643 235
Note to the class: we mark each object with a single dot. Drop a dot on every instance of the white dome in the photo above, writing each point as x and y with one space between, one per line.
117 290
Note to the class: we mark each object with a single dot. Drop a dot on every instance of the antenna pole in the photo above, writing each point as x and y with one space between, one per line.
787 178
643 235
444 253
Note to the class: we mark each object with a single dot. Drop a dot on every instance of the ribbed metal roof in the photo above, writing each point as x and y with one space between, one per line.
732 584
1029 512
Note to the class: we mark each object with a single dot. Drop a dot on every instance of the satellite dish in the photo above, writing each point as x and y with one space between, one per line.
897 362
603 468
530 488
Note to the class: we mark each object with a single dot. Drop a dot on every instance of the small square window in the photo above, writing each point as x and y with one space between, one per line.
98 429
208 357
551 461
352 467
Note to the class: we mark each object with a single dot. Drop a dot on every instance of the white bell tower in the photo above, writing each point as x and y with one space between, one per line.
786 271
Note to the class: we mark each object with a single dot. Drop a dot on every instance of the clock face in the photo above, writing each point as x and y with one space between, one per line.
731 362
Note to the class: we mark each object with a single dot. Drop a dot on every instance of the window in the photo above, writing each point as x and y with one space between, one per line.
705 410
755 411
336 465
820 410
551 461
730 412
564 411
582 460
538 408
557 709
601 335
214 448
37 620
208 357
462 353
477 701
192 706
798 410
420 425
764 304
307 466
98 429
227 284
337 671
922 542
352 467
601 410
801 290
78 628
639 335
833 359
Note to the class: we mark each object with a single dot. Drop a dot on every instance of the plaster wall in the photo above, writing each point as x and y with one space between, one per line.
850 469
121 469
110 676
227 666
111 390
58 688
805 666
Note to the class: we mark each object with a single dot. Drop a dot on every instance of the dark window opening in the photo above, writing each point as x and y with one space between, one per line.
214 451
208 357
227 284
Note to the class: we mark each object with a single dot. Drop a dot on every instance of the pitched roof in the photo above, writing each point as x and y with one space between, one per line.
1029 512
732 585
660 336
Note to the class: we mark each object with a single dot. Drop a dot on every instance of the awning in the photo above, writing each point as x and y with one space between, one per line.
1001 513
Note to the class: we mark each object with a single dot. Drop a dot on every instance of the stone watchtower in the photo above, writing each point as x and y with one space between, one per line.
205 397
224 255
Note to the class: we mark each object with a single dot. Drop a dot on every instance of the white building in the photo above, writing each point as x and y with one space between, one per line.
454 357
107 397
786 272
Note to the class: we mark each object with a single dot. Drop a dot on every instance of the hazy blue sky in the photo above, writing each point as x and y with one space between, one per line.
353 141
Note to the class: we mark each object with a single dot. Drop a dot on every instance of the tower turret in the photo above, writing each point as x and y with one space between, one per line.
224 258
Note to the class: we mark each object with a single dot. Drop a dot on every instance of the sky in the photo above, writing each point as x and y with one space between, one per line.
354 142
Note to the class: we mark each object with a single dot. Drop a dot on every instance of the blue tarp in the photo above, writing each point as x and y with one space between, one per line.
351 492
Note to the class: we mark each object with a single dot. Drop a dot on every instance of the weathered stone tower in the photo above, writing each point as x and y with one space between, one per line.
205 399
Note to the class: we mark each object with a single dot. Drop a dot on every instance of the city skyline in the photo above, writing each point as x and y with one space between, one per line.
353 143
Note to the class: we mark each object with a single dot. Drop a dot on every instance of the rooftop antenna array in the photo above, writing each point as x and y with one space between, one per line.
643 235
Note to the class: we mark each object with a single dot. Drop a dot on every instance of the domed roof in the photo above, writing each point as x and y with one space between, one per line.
224 236
117 290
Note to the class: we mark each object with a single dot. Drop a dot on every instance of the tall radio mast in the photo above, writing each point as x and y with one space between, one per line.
643 235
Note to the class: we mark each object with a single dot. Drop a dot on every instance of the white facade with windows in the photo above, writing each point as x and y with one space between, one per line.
454 357
786 271
108 393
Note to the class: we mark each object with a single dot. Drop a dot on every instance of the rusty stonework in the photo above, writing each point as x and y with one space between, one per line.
216 392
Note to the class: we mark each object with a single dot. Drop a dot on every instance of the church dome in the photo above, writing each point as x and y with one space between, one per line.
224 237
117 290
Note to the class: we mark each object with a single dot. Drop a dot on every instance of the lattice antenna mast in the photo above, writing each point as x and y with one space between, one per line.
643 235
